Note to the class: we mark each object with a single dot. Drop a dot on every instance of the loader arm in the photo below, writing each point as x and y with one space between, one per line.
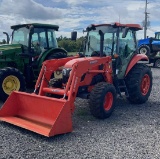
78 69
51 116
48 68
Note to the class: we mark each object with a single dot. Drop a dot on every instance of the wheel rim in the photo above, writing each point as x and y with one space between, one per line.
145 84
58 72
10 84
143 50
108 101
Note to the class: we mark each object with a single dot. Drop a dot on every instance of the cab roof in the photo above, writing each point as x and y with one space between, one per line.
36 25
135 27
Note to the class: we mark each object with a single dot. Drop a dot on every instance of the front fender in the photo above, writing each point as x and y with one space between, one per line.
135 59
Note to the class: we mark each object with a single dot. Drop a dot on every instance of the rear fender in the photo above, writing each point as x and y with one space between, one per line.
144 42
135 59
44 55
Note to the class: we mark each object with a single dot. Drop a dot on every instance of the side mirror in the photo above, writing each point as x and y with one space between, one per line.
73 35
125 31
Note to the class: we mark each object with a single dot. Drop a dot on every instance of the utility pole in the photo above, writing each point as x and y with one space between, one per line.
145 20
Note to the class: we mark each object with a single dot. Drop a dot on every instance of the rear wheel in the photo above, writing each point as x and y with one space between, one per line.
157 63
11 80
56 55
139 83
144 49
102 100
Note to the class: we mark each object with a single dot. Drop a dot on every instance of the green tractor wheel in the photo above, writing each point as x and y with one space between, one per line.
11 80
10 83
57 55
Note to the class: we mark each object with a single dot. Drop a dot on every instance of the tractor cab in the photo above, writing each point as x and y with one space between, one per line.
34 38
157 35
116 40
150 46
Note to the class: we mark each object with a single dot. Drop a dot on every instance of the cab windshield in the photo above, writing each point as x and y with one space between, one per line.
40 38
20 36
157 35
113 41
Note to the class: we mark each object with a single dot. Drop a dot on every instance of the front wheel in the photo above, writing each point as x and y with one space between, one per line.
139 83
102 100
11 80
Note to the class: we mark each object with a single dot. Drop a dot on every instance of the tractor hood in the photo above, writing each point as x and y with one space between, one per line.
9 48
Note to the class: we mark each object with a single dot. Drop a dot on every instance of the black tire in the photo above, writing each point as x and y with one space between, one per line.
157 63
139 83
144 49
56 55
97 104
11 79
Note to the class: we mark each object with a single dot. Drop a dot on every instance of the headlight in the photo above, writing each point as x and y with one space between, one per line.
66 71
65 74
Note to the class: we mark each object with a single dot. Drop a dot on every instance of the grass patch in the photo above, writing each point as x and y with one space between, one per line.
72 53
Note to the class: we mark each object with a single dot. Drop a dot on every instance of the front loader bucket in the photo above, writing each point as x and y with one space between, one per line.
40 114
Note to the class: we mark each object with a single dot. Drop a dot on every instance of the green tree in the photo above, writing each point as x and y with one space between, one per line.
69 45
4 41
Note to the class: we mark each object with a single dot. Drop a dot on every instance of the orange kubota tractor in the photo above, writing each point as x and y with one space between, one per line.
110 65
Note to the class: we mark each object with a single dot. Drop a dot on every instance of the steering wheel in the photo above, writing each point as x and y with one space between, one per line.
36 47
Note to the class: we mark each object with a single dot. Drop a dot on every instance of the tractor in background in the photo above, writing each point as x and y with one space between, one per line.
21 60
109 66
151 47
155 60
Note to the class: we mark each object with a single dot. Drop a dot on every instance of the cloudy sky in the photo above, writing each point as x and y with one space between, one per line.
71 14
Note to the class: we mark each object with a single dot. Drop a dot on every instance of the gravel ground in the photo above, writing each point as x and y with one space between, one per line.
133 131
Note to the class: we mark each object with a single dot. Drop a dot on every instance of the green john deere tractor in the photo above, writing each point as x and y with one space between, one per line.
21 60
